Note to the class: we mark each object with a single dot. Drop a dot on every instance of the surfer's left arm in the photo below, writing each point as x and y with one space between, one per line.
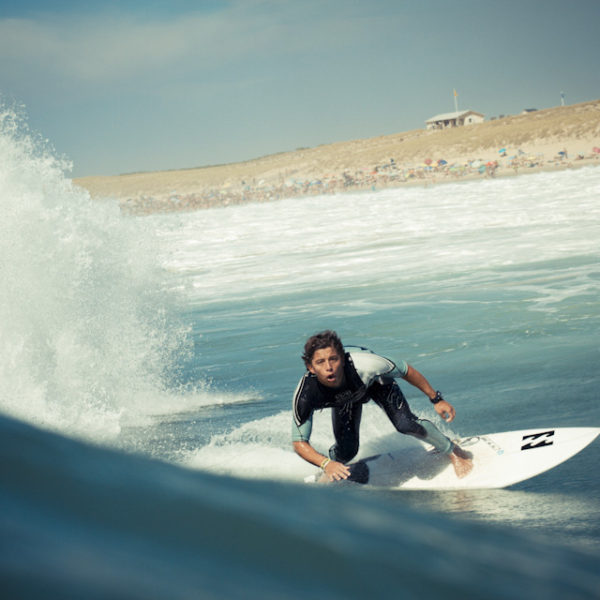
418 380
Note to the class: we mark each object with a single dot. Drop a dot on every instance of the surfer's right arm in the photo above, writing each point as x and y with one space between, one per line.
301 430
333 470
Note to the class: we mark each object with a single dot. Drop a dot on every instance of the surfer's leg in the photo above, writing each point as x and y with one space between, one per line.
435 437
346 427
392 400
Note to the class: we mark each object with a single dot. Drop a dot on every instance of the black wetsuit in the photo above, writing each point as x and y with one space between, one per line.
346 402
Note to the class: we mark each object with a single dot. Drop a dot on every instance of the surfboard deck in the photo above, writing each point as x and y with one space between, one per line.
499 460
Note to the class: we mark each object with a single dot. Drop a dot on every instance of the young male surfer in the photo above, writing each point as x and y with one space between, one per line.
344 381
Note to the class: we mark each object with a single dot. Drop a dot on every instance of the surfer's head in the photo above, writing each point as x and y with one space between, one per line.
324 358
320 341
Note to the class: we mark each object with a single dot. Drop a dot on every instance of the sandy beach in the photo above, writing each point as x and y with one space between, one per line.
556 138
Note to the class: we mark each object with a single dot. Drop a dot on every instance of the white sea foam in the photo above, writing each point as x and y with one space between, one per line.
441 233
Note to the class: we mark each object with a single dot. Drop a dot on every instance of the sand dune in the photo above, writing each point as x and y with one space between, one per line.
530 141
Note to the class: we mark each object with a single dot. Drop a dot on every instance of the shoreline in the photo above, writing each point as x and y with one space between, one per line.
546 140
144 205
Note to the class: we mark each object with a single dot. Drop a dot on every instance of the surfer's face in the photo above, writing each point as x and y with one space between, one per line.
328 365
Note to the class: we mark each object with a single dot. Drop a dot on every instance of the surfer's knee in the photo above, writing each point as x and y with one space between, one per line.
344 452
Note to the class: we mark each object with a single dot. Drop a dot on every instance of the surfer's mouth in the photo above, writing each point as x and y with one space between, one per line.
333 380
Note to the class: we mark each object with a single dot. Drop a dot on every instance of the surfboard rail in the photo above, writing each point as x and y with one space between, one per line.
499 460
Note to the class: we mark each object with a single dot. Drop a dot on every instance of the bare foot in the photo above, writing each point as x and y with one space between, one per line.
461 461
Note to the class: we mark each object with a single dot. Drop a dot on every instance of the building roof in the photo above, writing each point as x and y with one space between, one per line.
452 115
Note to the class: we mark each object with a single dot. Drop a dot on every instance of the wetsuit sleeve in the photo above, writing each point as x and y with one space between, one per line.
302 433
302 413
401 370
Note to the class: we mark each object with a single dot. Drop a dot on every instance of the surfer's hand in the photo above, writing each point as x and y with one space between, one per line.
445 410
336 471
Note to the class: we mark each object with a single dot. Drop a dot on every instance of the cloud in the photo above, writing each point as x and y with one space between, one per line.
107 48
101 50
110 48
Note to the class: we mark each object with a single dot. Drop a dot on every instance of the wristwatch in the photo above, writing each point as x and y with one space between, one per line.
437 398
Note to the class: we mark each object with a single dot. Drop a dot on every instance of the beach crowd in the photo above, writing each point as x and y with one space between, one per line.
385 175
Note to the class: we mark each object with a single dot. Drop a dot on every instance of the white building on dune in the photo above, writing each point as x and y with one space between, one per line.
454 119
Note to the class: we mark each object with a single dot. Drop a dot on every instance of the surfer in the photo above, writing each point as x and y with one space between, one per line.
344 381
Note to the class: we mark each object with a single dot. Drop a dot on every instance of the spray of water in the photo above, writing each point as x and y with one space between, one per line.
85 343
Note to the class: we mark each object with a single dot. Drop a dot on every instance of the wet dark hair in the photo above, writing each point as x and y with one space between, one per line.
323 339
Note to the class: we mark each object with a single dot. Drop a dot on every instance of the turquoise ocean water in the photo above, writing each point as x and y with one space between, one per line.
148 365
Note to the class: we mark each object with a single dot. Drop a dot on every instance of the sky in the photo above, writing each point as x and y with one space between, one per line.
121 87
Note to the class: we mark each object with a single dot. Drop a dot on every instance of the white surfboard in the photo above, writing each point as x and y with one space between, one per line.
499 460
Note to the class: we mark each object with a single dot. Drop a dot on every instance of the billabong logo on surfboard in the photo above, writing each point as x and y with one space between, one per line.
538 440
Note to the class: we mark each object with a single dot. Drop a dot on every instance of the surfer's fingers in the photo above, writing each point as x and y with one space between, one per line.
445 410
336 471
449 414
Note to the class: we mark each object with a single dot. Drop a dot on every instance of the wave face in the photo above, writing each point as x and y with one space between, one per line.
147 367
81 522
